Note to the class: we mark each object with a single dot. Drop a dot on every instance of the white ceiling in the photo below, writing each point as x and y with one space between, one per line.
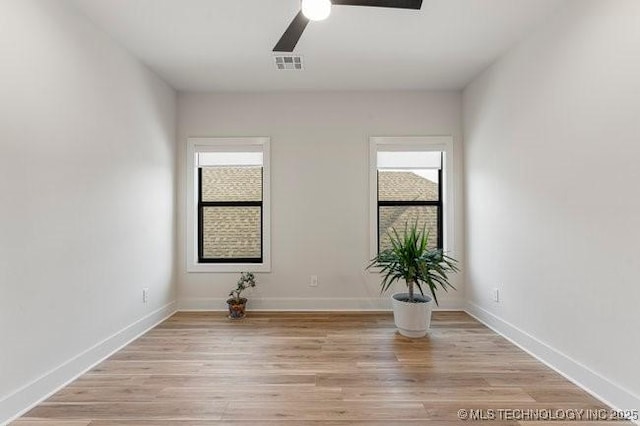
225 45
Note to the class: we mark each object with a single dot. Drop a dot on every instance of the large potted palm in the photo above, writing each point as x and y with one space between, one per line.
410 259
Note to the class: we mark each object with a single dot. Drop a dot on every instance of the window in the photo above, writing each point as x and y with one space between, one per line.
409 185
229 205
409 192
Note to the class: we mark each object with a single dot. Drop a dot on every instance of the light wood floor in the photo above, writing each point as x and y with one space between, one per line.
308 369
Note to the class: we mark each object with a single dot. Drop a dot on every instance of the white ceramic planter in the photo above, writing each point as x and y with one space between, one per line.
412 319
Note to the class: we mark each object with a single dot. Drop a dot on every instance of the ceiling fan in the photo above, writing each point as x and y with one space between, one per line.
317 10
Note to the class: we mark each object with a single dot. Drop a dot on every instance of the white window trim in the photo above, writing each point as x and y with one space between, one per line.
195 145
413 143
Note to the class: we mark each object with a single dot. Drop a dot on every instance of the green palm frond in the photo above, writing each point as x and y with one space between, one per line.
409 258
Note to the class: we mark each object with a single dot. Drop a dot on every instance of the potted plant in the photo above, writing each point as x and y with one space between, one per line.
411 260
238 304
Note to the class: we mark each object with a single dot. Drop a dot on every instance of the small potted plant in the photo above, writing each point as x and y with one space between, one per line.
411 260
238 304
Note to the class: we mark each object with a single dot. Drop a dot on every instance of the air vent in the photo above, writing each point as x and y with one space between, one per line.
288 62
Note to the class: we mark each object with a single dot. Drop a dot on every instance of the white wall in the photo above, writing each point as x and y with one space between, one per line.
552 212
87 169
319 181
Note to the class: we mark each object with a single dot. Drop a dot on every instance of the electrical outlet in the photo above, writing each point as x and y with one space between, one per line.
496 295
145 295
313 281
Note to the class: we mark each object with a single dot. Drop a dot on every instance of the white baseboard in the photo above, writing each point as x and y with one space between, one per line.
28 396
601 388
304 304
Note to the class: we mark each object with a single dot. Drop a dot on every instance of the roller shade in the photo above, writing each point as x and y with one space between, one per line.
410 160
209 159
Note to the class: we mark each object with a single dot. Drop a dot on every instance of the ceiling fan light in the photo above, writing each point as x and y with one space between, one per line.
316 10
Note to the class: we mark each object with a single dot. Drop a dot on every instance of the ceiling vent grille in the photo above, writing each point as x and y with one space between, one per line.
288 62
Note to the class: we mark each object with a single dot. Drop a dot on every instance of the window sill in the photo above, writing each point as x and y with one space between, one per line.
228 267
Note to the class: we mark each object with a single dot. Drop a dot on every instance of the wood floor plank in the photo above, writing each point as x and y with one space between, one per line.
308 369
439 394
130 410
560 393
341 410
290 422
204 393
31 422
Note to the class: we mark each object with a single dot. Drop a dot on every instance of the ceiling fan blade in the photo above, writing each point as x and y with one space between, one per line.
292 34
398 4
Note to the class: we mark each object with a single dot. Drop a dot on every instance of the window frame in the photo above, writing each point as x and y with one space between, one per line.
442 144
194 261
